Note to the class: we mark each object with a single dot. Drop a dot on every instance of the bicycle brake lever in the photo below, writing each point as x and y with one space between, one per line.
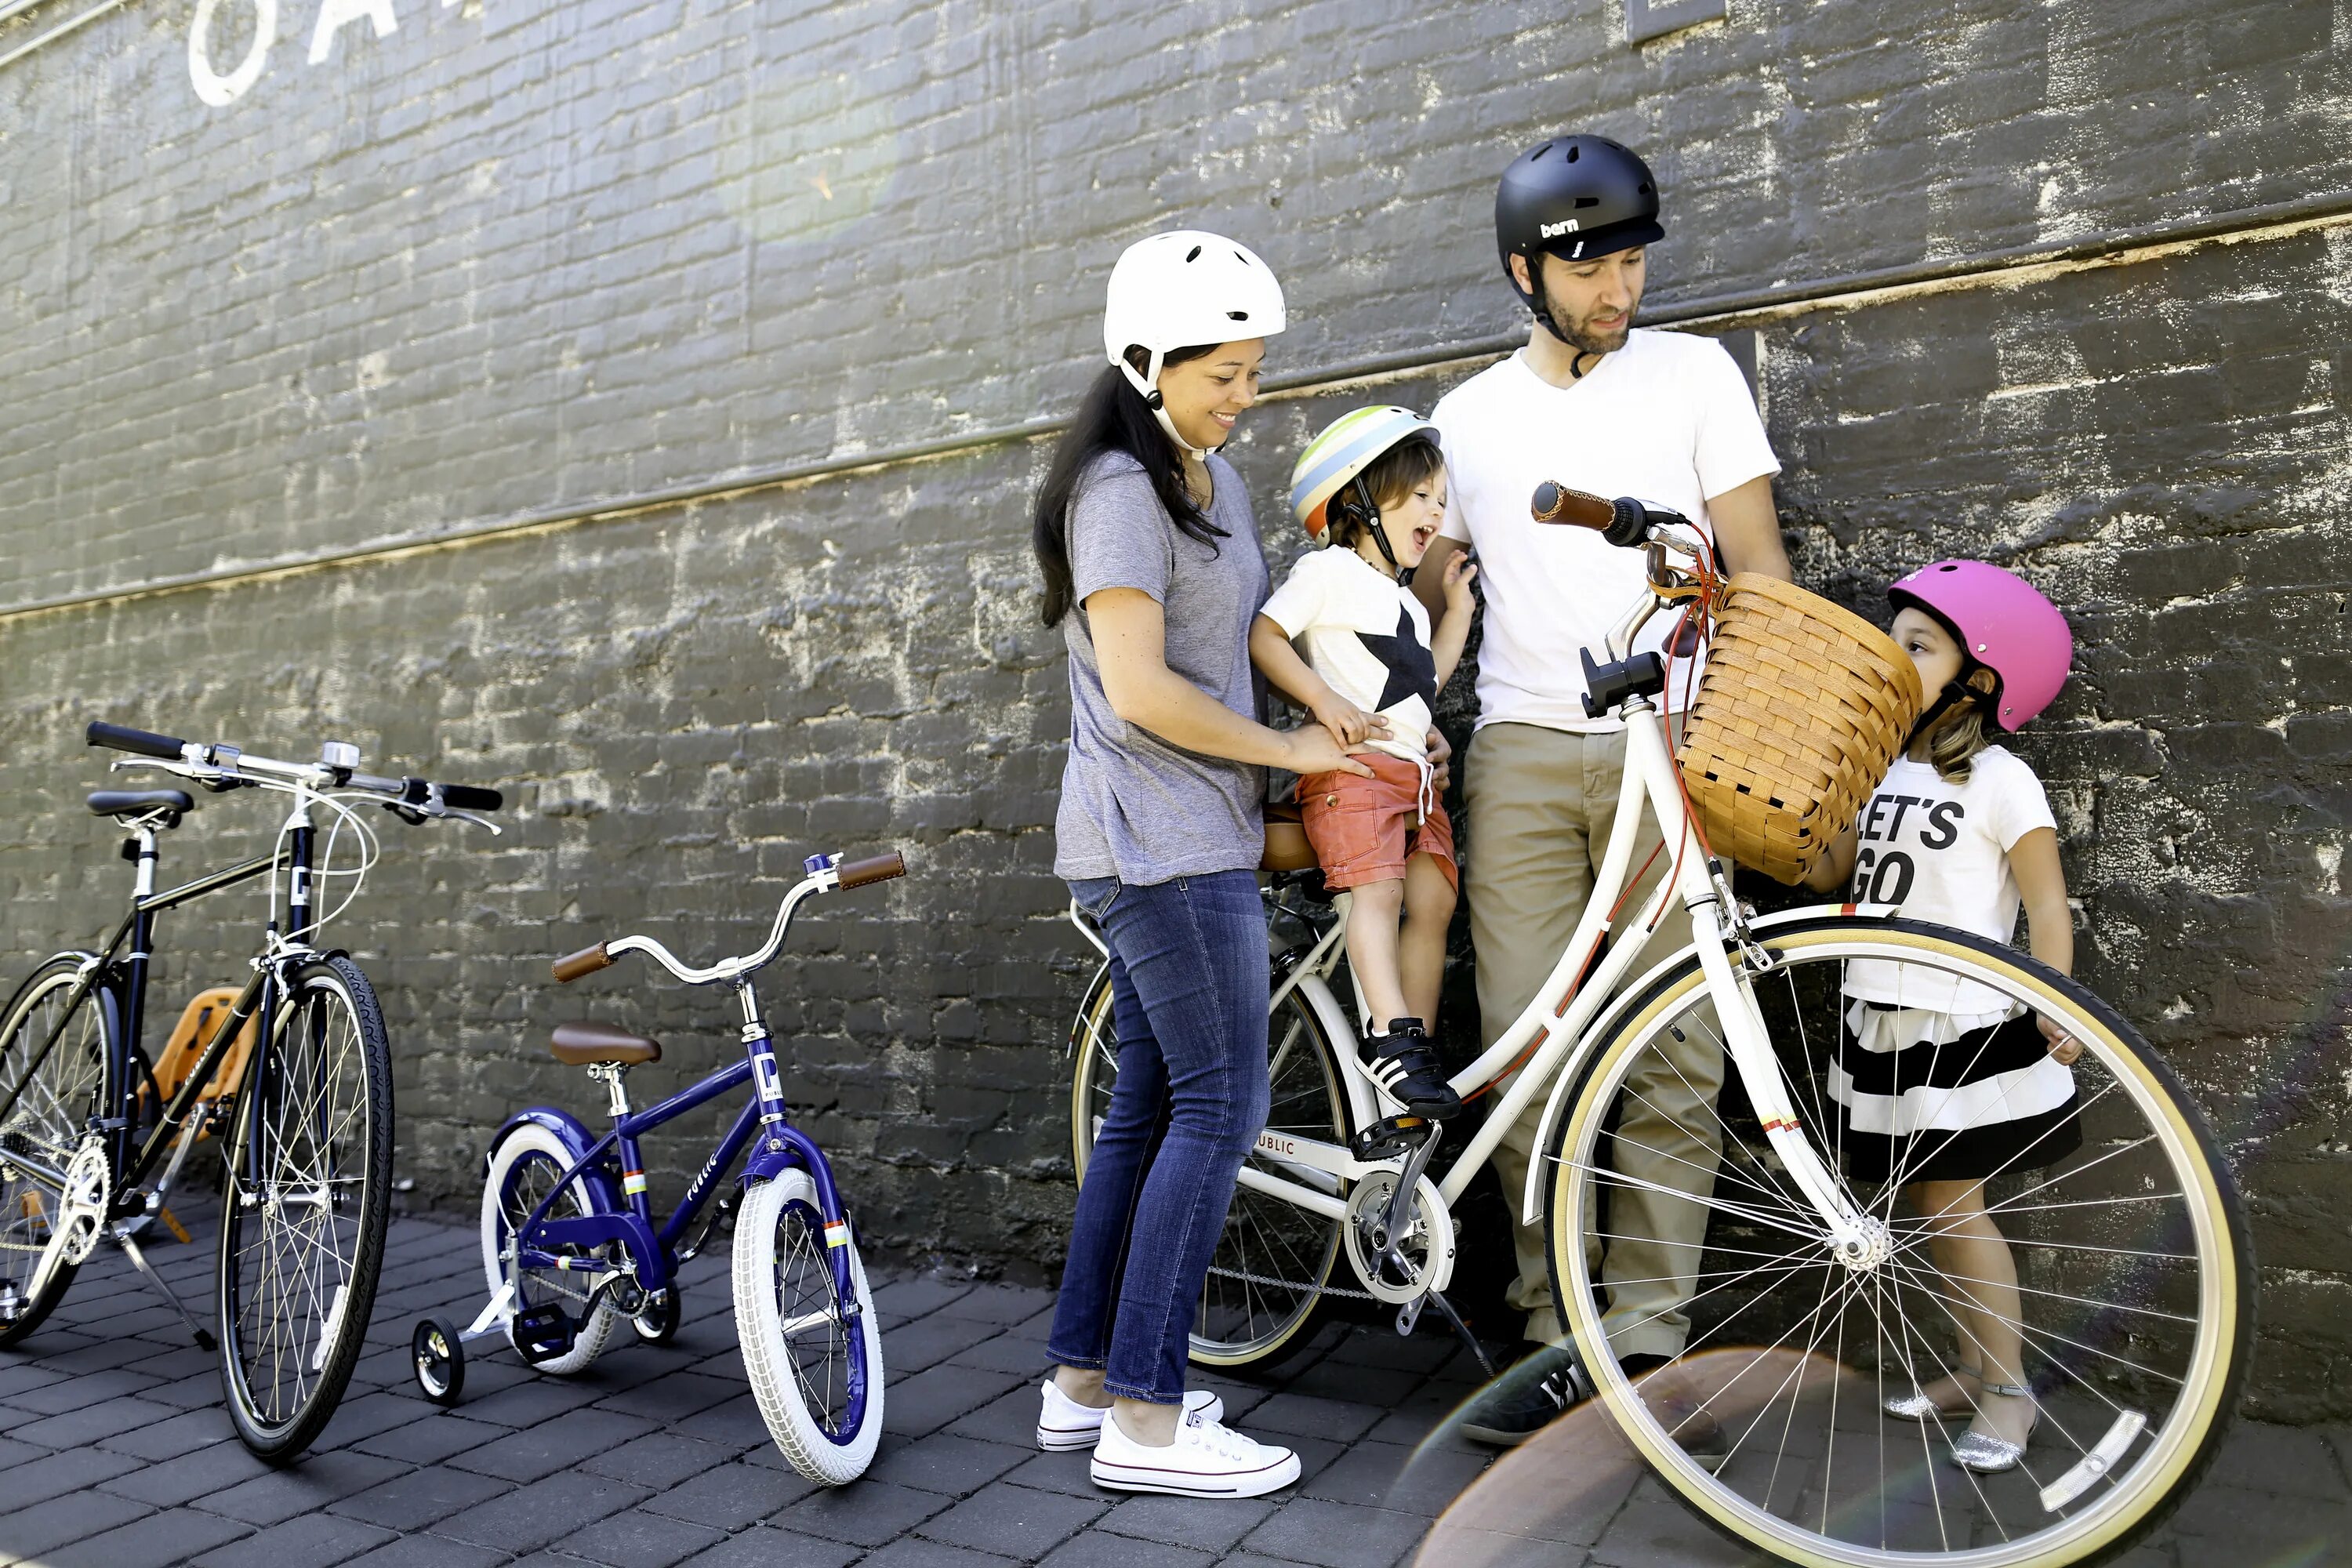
477 821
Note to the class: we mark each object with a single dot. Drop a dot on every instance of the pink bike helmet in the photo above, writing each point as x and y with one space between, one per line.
2004 624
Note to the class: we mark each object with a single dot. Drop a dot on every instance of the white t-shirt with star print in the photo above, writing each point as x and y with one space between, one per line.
1366 636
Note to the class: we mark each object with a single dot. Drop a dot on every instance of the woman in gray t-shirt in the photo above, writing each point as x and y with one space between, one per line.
1153 570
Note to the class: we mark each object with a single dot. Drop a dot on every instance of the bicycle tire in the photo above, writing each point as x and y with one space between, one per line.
2098 1340
75 1081
320 1116
1230 1327
827 1425
523 1168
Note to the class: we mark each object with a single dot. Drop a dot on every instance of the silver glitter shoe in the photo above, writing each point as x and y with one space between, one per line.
1917 1406
1986 1454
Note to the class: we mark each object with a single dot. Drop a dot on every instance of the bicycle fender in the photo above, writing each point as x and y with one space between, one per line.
1361 1110
574 1134
779 1147
1635 991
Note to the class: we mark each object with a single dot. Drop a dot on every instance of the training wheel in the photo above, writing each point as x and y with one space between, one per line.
438 1353
658 1322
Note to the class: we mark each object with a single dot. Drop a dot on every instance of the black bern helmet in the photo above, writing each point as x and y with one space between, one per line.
1576 197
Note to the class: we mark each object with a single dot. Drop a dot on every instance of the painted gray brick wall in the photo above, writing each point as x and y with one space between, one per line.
519 256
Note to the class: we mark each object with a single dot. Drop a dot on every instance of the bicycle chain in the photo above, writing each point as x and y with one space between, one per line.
1244 1276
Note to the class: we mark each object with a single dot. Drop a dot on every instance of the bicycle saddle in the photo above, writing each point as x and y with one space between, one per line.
584 1041
122 802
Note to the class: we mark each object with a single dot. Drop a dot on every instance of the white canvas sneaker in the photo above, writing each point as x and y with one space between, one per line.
1207 1459
1065 1424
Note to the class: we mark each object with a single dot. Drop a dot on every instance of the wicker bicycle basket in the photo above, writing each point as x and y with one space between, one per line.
1801 708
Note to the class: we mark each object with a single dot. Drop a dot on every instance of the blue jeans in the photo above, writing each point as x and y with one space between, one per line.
1189 978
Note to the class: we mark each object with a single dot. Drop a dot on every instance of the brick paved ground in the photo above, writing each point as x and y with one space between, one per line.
117 1455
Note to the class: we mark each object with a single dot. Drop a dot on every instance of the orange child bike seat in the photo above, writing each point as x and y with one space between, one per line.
198 1019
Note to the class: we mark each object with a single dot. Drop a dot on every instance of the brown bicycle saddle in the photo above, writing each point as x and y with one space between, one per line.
584 1040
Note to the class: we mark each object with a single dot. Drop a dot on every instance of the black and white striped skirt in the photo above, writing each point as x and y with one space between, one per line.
1985 1100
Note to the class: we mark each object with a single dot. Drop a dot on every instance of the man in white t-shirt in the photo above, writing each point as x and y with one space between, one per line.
1596 404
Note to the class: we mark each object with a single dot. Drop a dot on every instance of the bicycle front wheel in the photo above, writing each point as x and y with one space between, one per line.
2125 1303
304 1208
1273 1261
56 1096
815 1360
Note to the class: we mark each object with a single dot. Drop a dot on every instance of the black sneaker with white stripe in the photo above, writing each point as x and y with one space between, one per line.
1532 1393
1404 1063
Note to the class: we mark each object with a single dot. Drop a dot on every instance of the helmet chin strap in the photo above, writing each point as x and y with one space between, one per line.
1541 306
1371 515
1148 384
1953 696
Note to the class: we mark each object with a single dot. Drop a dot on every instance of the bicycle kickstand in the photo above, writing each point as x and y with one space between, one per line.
205 1340
1410 1314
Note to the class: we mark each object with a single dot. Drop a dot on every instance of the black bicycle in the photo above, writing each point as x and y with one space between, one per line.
306 1124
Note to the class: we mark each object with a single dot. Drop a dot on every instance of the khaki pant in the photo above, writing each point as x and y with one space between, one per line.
1539 805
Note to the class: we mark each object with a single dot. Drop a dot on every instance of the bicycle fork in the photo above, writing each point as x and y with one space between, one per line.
778 1146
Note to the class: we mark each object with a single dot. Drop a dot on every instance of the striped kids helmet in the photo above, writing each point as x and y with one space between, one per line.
1348 445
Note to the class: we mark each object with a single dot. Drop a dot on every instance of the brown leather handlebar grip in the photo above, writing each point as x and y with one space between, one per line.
879 868
587 961
1555 502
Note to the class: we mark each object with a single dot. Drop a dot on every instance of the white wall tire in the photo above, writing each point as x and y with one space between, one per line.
801 1380
522 1161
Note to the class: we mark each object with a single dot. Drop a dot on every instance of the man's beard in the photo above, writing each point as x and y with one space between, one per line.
1583 339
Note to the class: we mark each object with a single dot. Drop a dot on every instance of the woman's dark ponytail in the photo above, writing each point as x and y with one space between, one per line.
1113 417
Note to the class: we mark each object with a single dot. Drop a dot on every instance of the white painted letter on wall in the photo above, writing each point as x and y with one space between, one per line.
211 86
333 13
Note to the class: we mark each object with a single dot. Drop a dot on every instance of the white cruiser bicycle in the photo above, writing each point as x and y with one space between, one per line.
1815 1300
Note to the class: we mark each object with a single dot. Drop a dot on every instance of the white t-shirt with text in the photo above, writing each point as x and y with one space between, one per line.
1941 851
1667 419
1366 636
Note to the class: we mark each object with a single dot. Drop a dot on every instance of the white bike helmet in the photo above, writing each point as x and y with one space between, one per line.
1180 288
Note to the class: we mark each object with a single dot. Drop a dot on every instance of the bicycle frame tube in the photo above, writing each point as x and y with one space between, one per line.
1554 1022
144 903
1647 762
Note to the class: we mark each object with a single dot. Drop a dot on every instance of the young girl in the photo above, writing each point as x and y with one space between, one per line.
1941 1084
1374 482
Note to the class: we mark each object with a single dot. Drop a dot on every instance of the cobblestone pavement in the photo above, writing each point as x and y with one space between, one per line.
114 1453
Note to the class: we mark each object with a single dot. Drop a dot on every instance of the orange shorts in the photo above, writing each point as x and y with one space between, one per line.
1365 829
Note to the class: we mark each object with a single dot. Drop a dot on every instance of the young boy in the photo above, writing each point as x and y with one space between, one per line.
1374 482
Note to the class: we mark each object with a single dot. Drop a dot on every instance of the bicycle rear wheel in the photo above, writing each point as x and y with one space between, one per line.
56 1096
2133 1295
1274 1262
304 1208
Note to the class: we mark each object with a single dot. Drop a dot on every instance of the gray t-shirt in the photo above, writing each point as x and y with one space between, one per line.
1133 806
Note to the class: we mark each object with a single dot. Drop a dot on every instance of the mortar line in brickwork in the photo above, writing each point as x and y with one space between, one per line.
2016 267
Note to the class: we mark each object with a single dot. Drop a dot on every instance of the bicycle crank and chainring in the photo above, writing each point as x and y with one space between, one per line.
1401 1267
82 1207
80 1218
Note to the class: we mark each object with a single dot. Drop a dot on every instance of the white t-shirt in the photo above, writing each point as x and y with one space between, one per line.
1666 419
1941 852
1366 636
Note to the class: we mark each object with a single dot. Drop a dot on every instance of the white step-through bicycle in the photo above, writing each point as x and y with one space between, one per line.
1815 1300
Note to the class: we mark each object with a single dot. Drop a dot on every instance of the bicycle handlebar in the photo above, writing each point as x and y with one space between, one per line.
587 961
123 738
826 874
1624 522
878 868
225 767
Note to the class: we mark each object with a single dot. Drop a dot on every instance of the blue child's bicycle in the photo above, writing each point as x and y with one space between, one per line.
571 1248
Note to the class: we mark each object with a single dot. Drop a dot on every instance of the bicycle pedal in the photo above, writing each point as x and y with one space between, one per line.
543 1334
1390 1137
171 1223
